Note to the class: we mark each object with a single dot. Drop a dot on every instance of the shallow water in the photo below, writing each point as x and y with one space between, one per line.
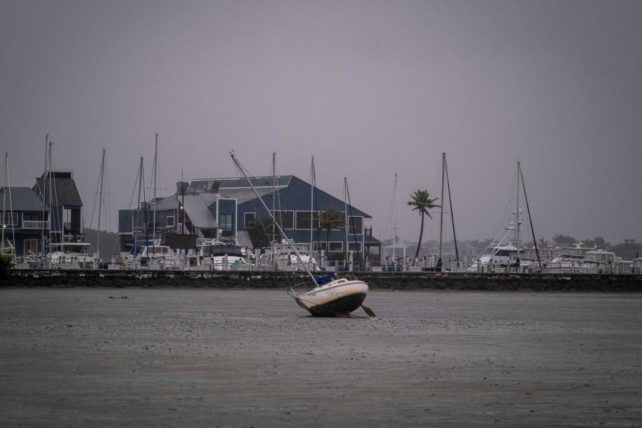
164 357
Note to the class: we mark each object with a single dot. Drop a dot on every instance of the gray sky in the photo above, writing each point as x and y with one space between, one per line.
369 88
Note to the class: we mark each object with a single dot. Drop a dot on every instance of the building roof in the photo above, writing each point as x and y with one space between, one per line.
218 184
64 188
196 208
20 199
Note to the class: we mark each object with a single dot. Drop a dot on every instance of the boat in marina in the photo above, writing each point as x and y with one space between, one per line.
326 295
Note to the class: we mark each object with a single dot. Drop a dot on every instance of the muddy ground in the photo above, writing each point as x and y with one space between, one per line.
205 357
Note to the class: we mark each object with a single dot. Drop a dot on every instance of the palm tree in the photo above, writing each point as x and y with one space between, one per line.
422 202
330 219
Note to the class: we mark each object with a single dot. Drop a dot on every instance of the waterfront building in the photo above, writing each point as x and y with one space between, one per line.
24 218
58 190
220 208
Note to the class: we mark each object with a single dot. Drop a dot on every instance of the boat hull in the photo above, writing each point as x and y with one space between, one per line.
338 297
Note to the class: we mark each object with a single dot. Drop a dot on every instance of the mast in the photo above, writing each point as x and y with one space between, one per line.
44 199
452 215
4 200
298 256
154 197
50 198
141 189
345 217
7 187
312 184
517 222
530 220
441 210
100 203
273 198
182 204
394 220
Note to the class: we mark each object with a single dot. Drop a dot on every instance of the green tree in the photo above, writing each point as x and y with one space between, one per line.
422 203
562 240
330 219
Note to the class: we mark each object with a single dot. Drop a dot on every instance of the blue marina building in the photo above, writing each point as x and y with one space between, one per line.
220 208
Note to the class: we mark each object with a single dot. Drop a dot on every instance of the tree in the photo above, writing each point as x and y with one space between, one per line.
330 219
422 203
561 240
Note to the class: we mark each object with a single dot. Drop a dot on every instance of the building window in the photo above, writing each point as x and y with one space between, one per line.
303 220
30 246
170 221
250 220
9 218
320 245
336 246
356 225
225 222
354 246
34 216
285 219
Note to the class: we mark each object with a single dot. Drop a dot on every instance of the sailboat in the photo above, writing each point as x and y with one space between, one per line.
506 253
328 295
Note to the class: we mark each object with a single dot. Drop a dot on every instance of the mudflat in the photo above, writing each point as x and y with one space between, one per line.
207 357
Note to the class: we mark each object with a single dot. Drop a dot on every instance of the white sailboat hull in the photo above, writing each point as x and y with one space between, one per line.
340 296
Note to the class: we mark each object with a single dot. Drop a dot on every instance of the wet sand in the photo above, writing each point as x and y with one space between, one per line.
195 357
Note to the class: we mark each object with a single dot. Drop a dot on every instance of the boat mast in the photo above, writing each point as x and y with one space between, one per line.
141 189
517 222
155 172
441 210
298 256
182 211
452 215
345 217
394 220
312 184
530 220
44 199
100 203
273 197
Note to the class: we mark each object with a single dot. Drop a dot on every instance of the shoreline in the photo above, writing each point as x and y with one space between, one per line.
282 280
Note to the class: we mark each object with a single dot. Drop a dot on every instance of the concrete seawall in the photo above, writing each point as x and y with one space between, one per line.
275 280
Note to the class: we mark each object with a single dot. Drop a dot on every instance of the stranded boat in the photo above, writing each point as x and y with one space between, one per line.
332 296
329 296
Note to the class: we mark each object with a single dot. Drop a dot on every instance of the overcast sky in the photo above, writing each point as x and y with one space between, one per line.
369 88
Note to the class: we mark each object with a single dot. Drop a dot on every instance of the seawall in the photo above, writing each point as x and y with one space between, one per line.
283 280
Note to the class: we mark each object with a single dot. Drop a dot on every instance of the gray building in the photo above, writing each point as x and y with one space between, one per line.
24 219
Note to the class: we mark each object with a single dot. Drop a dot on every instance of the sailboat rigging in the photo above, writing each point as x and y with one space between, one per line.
445 184
329 296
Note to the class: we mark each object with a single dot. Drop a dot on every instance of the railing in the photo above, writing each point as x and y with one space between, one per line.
34 224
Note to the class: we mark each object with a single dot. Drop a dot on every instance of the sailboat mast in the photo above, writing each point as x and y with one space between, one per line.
441 210
312 184
154 198
298 256
182 204
394 220
100 202
530 220
44 199
452 214
50 198
345 217
4 200
517 222
273 197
